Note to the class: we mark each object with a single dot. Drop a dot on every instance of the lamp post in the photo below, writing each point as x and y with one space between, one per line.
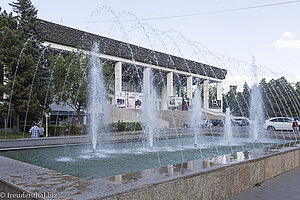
47 115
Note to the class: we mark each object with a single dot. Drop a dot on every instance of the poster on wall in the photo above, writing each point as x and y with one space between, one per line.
138 100
130 100
186 104
172 102
120 98
215 104
179 103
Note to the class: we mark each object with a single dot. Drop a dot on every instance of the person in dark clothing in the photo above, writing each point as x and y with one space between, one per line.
295 125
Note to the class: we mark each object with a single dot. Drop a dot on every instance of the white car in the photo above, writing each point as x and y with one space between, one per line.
279 123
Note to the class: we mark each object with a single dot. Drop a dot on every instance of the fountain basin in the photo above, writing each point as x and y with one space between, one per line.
217 176
120 158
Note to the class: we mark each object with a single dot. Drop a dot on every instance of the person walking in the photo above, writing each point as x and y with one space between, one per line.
34 130
295 125
41 131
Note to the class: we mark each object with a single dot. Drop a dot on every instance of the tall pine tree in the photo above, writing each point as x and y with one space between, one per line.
20 50
27 15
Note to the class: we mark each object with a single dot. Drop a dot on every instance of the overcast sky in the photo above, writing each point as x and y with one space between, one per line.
270 34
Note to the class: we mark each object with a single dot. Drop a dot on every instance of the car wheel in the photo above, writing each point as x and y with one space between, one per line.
271 128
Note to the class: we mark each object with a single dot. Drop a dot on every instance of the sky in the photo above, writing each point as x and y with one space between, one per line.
270 34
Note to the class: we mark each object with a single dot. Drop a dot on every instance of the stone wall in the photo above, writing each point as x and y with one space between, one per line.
220 183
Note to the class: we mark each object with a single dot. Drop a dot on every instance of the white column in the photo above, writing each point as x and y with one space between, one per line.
146 81
164 98
118 77
189 87
205 94
170 88
174 90
220 93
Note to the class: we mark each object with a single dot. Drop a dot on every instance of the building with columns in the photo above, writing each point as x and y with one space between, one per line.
174 78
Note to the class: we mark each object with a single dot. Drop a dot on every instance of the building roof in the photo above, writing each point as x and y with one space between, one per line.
64 35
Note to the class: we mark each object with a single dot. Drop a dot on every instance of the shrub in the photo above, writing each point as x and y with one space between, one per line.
124 126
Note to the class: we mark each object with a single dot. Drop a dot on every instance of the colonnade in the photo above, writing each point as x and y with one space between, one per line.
168 90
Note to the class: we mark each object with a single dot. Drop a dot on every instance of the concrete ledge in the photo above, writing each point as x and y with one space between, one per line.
6 189
219 177
223 182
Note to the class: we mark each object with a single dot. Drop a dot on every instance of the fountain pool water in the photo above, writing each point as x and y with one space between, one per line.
125 157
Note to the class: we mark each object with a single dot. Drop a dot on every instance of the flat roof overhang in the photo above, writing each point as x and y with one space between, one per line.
69 39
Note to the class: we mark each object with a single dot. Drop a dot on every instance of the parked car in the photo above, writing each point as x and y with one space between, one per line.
279 123
241 121
204 123
217 122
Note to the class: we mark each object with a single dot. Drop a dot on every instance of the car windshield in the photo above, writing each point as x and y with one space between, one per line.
288 120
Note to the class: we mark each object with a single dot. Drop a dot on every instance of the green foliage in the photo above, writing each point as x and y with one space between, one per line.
124 126
70 79
280 98
26 15
244 99
231 100
108 76
15 45
11 135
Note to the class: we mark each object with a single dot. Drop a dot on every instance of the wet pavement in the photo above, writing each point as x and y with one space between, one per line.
283 187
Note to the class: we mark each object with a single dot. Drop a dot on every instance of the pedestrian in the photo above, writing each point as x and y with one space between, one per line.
41 131
34 130
295 125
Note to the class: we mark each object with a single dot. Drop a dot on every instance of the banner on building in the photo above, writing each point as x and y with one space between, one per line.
130 100
120 98
138 100
175 102
186 104
179 103
215 104
172 102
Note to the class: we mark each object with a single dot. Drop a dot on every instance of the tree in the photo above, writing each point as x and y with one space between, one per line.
231 99
70 80
27 17
245 100
20 63
9 49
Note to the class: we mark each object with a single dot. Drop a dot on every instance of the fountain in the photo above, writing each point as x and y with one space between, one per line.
150 118
168 149
227 127
97 108
256 106
149 114
196 116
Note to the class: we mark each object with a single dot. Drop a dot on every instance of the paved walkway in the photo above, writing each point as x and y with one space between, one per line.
283 187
